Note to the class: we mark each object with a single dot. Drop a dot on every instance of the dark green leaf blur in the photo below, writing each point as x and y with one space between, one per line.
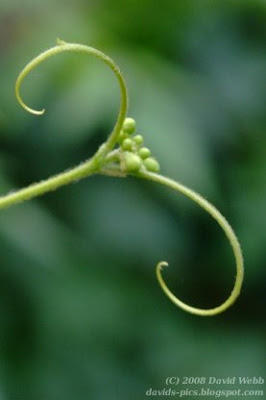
81 313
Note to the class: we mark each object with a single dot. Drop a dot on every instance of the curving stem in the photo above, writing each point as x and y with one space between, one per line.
209 208
80 48
88 167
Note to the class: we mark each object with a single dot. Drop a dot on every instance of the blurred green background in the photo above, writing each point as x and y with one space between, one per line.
81 313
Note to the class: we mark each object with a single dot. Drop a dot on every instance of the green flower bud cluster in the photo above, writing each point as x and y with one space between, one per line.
135 156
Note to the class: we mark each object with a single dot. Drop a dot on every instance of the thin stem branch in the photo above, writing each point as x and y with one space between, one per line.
64 47
209 208
87 168
100 158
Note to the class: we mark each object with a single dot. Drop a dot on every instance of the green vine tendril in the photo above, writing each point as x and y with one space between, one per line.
123 154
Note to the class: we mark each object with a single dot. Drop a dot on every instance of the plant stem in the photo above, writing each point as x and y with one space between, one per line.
87 168
79 48
203 203
100 158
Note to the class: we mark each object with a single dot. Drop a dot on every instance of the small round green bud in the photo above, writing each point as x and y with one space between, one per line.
151 164
144 152
138 139
127 144
129 125
132 162
122 136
